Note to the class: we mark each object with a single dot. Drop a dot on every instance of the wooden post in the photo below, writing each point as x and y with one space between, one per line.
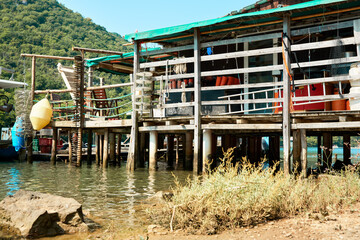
29 138
303 152
296 151
246 78
207 145
112 146
153 150
54 146
197 101
170 150
89 146
357 35
274 146
79 70
97 149
106 148
101 149
286 101
189 136
327 155
70 145
346 149
118 146
133 149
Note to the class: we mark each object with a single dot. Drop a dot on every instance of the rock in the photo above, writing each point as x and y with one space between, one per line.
161 196
34 214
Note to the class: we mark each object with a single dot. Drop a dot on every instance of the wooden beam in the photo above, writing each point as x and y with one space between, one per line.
47 57
97 51
286 98
164 128
106 148
53 91
230 127
89 146
54 146
109 86
153 147
296 151
197 101
112 146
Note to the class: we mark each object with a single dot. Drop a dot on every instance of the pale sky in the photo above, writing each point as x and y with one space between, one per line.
125 17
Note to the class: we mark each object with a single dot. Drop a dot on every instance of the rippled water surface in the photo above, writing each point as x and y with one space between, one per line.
110 193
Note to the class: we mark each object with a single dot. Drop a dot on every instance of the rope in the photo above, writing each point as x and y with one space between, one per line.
112 116
288 72
73 115
110 108
106 99
66 107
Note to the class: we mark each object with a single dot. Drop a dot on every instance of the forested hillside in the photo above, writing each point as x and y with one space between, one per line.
46 27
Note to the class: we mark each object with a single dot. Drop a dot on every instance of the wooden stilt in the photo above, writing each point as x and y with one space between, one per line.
118 149
142 151
79 147
347 149
101 149
112 146
286 96
89 147
303 152
296 151
197 102
189 136
274 146
327 154
207 153
54 146
70 147
153 150
170 150
29 138
106 148
319 151
97 148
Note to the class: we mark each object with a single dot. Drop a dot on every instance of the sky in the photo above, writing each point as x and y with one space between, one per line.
127 16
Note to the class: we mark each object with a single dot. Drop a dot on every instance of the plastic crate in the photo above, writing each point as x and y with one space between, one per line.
45 141
45 149
35 145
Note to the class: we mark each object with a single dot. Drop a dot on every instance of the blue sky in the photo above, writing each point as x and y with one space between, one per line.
127 16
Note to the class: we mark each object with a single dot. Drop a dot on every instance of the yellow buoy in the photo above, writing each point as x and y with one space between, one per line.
41 114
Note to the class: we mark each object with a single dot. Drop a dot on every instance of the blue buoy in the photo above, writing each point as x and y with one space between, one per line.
17 134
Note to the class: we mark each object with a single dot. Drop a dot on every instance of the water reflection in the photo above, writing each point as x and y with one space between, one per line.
111 193
13 184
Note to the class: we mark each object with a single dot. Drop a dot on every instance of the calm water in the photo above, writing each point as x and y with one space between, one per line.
109 194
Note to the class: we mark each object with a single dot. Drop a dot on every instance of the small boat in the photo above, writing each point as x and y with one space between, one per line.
7 150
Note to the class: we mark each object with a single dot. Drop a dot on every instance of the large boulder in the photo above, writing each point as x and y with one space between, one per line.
34 214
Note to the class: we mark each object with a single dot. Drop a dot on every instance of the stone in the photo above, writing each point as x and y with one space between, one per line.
161 196
34 214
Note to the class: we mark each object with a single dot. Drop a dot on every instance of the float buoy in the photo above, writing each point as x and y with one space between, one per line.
41 114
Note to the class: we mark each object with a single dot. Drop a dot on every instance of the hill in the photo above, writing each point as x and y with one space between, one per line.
46 27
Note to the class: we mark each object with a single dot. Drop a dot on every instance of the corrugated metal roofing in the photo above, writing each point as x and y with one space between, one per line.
176 30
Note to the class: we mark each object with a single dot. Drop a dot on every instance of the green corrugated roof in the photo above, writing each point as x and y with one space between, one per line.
176 30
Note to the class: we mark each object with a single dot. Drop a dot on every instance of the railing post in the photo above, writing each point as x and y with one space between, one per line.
286 99
197 108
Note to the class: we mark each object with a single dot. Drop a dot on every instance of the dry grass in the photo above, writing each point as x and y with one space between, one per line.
243 195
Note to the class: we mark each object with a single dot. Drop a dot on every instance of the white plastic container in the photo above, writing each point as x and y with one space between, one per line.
354 74
354 98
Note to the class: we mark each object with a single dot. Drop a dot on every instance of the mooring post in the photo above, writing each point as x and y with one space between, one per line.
197 102
287 99
347 149
207 145
112 146
106 148
54 146
303 152
153 146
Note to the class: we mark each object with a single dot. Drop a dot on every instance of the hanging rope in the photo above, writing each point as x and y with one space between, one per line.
288 72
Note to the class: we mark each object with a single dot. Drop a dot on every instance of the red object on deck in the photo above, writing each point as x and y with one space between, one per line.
173 84
191 82
218 81
224 81
186 81
179 83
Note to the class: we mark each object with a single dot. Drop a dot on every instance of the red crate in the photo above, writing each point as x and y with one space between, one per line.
45 141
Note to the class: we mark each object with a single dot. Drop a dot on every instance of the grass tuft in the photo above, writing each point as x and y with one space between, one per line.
242 194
